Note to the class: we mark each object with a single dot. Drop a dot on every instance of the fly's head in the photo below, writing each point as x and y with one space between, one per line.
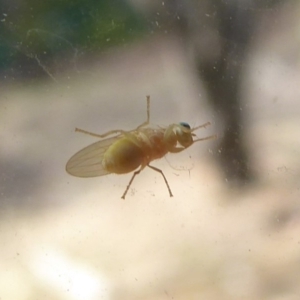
184 134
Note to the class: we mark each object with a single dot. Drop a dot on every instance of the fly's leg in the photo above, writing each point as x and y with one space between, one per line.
201 126
206 138
130 182
148 114
165 179
138 172
118 131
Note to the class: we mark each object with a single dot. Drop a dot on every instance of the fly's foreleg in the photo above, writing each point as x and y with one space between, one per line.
201 126
165 179
211 137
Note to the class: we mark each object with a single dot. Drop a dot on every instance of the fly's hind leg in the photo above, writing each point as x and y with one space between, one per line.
118 131
165 179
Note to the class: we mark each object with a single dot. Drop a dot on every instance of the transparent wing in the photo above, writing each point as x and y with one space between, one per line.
88 161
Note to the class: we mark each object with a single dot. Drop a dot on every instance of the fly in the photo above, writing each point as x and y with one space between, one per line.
127 151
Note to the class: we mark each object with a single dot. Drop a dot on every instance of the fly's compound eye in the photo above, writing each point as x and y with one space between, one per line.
184 124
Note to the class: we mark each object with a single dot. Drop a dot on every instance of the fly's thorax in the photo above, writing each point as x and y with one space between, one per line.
153 142
123 156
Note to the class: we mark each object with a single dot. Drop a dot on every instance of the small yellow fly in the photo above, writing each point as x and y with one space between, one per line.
128 150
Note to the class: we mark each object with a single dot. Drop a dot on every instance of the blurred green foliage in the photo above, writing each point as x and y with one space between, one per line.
35 30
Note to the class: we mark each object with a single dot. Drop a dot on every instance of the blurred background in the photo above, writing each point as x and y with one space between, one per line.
231 231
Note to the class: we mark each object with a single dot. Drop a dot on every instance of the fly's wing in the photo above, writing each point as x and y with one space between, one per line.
88 161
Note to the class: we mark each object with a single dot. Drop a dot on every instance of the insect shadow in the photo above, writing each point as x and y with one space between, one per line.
128 150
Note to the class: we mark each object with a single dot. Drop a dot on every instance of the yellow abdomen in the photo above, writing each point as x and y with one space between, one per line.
122 157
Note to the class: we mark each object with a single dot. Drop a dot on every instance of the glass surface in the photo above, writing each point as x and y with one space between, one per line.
231 229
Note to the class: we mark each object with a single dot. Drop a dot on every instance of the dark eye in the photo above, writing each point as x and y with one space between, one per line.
186 125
